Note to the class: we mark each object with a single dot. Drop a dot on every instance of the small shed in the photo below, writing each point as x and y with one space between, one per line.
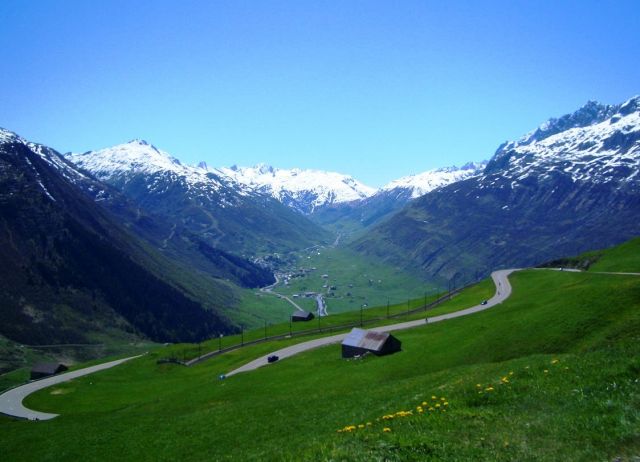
41 370
360 341
300 315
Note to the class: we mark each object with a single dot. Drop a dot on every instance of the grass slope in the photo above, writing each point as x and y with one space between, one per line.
624 257
580 328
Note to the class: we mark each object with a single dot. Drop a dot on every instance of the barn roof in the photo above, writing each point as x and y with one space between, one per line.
301 314
367 339
47 368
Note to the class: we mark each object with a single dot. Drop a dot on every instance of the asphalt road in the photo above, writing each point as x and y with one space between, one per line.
11 400
503 291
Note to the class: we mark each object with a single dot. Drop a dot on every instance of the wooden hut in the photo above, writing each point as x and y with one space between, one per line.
41 370
360 341
300 315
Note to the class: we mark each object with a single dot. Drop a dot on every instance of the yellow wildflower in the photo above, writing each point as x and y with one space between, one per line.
446 403
478 385
368 424
434 397
555 361
361 426
437 404
442 399
386 429
510 372
546 371
431 409
424 403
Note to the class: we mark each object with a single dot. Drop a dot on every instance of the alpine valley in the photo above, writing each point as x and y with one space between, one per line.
129 243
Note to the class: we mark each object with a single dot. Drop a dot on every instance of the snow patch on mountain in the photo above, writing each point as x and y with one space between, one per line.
597 150
303 189
137 157
425 182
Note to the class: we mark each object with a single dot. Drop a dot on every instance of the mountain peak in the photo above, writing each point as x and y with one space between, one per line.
592 143
7 136
422 183
302 189
264 168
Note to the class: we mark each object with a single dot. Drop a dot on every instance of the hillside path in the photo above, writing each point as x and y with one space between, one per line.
11 400
503 291
269 290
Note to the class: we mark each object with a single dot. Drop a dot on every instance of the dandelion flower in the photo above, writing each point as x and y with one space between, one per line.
361 426
368 424
478 385
431 409
442 399
386 430
424 403
446 403
546 371
437 404
555 361
510 372
434 397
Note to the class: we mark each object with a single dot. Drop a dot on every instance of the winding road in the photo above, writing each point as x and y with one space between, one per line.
503 291
269 290
11 400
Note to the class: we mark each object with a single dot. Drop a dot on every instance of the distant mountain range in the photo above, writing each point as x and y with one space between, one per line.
130 241
220 211
570 185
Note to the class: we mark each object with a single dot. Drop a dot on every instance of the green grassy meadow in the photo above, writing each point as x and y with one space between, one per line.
551 374
358 280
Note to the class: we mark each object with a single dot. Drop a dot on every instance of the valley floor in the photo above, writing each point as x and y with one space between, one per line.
550 374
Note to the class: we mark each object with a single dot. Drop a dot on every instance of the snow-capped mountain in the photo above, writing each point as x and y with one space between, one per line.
598 143
61 246
205 202
422 183
301 189
122 163
570 185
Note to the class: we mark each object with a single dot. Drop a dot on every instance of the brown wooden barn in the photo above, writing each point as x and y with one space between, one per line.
360 341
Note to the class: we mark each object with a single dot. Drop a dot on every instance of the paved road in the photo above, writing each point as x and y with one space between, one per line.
269 290
503 290
11 400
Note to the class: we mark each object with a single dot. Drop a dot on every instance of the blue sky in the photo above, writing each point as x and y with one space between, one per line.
376 89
